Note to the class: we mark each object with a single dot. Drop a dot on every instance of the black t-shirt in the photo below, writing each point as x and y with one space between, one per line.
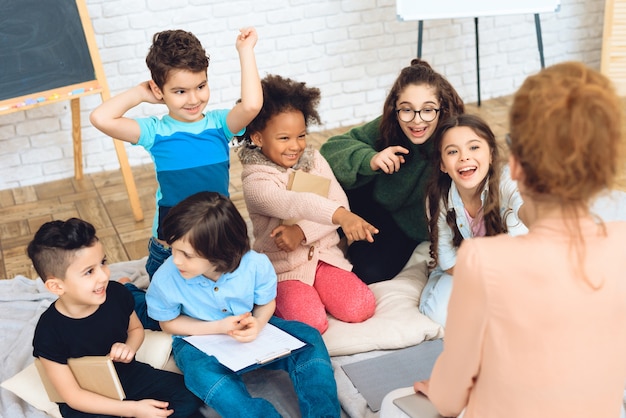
58 337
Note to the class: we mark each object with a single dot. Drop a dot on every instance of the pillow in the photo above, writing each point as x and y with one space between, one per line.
397 322
27 385
155 350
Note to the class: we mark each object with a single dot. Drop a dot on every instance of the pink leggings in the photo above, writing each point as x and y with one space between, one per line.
339 292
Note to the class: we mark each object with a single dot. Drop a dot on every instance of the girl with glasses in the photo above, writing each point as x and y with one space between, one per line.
384 165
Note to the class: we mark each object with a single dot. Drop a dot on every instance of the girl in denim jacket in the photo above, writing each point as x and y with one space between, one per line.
470 195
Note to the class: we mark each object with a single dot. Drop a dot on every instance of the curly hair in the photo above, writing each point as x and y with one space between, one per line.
565 129
55 244
565 132
175 50
282 95
418 73
440 183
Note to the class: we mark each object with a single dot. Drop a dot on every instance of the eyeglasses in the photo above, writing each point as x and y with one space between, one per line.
407 115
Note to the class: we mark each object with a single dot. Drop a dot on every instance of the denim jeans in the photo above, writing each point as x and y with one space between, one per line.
436 296
141 307
224 390
157 254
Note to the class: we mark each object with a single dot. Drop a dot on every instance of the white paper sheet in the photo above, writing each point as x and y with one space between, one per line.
271 343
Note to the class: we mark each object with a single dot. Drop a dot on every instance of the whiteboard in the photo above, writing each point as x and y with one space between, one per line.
449 9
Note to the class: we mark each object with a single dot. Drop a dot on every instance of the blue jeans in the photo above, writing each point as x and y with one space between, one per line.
436 296
157 254
141 307
224 390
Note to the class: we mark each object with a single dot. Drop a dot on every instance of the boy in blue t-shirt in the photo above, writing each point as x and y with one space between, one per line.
189 148
215 284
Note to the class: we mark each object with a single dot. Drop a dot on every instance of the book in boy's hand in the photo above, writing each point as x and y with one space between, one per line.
301 181
93 373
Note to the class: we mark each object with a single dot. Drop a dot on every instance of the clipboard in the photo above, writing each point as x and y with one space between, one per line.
271 344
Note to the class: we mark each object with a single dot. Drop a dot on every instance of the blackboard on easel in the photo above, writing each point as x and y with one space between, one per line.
45 55
31 60
48 54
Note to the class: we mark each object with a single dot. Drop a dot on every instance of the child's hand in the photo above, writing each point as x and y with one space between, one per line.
287 237
358 229
421 387
246 39
233 323
354 227
122 353
389 160
147 95
249 331
150 408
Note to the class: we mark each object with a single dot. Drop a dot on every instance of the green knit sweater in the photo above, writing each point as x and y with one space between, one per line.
402 194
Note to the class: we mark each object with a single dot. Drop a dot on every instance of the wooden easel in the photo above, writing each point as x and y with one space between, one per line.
421 10
73 93
613 61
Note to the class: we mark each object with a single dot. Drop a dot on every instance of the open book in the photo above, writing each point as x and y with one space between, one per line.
93 373
272 343
301 181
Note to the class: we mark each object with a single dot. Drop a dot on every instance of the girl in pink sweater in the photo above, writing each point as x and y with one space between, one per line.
314 277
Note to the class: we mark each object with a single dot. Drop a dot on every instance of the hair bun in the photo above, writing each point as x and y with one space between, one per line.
418 62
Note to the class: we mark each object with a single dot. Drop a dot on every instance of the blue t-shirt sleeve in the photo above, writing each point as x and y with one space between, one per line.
219 119
265 279
147 127
161 306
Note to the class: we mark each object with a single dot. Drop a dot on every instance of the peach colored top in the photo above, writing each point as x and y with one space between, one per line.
527 335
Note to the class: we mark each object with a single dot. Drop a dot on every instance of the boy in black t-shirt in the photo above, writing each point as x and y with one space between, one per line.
94 316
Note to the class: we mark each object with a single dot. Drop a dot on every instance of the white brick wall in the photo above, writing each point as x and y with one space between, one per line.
351 49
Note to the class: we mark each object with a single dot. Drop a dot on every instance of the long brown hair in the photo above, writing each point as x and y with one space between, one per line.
440 183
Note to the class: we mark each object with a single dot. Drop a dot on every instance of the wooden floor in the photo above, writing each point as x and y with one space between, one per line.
102 200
